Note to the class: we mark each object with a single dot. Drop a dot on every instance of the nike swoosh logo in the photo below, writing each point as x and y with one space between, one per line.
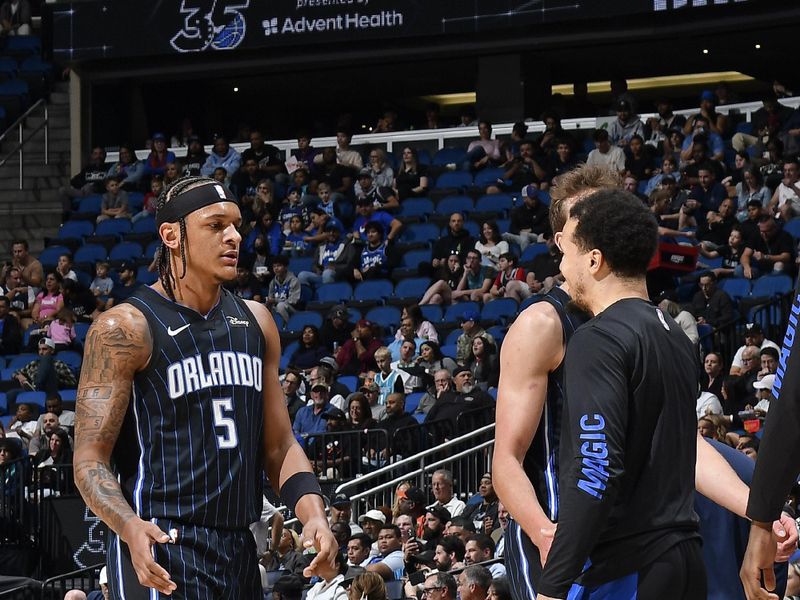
173 332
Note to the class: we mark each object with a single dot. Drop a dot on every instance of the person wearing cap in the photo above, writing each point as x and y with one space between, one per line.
342 511
450 405
382 196
763 388
371 522
310 419
162 358
606 154
436 519
337 328
625 126
717 122
753 336
470 325
195 157
126 287
46 373
160 155
372 392
357 355
222 156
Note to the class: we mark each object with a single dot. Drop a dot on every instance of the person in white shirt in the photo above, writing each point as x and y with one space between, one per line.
753 336
708 404
442 486
763 389
604 154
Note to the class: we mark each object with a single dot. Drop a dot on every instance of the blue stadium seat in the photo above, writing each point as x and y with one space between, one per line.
412 401
37 398
447 156
3 404
386 316
449 350
8 67
126 251
745 127
29 44
68 395
34 64
420 232
416 207
735 287
413 258
20 360
453 179
544 197
498 332
113 227
152 248
471 226
337 292
7 373
144 225
135 202
451 204
413 288
146 277
372 292
14 97
298 264
452 337
528 301
487 177
81 329
287 354
494 203
711 263
349 381
72 359
706 333
793 228
772 285
300 319
423 157
49 256
75 230
500 310
90 253
432 312
90 204
532 252
454 312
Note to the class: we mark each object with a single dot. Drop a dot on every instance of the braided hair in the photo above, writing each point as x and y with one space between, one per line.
165 274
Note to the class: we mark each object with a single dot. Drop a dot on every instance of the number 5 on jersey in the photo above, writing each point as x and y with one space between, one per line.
228 439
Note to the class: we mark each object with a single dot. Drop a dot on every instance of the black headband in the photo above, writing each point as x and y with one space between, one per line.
187 202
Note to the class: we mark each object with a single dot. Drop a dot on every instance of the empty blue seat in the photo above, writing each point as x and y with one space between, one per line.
712 263
454 312
772 285
745 127
432 312
735 287
420 232
416 207
20 360
793 228
447 156
449 350
452 337
3 404
532 252
81 329
34 64
146 277
113 227
71 358
386 316
452 204
144 225
494 203
13 87
125 251
300 319
488 176
90 253
49 256
152 248
334 292
413 258
75 229
501 309
135 202
413 287
8 66
412 401
298 264
36 398
349 381
23 43
90 204
68 395
373 291
454 179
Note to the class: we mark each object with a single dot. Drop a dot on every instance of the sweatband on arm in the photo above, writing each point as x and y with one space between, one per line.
297 486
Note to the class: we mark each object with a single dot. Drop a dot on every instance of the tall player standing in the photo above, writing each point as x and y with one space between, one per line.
529 415
179 409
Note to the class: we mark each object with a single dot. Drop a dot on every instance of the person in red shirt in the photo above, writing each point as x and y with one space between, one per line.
510 281
357 355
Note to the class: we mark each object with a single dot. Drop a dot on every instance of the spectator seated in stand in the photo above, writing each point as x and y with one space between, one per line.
772 252
310 419
605 154
450 405
483 514
115 202
457 241
23 424
310 351
470 325
730 253
411 178
711 305
475 282
222 156
483 152
483 362
91 180
357 354
490 245
126 286
626 127
283 292
753 336
480 547
377 257
382 196
530 221
446 279
510 281
10 329
44 374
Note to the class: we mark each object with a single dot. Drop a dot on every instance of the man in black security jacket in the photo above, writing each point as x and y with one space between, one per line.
452 404
457 241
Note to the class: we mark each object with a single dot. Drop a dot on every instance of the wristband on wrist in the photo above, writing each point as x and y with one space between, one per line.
297 486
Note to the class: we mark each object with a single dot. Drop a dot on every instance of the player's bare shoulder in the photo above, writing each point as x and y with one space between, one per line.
536 336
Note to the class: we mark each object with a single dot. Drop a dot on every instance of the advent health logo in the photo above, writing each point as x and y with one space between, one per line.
357 20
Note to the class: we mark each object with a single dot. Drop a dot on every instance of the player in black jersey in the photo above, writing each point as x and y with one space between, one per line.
529 409
179 409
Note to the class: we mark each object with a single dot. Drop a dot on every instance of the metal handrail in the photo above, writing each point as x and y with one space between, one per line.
19 124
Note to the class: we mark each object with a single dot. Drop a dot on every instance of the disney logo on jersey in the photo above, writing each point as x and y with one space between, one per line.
237 322
214 24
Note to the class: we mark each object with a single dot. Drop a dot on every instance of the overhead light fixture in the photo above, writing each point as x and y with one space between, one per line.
758 46
235 89
705 50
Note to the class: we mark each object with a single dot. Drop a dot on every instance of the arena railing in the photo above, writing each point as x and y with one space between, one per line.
440 138
87 580
31 590
18 126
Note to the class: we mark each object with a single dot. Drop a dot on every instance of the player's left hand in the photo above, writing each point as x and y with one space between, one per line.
785 529
758 563
316 533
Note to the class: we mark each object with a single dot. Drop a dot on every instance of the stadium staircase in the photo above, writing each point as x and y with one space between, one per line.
34 212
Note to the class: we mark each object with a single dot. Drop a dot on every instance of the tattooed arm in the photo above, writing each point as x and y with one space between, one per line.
117 346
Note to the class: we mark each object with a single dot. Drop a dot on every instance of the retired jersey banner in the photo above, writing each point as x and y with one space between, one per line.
121 28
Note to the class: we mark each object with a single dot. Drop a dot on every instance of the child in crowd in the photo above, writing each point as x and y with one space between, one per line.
220 174
295 244
102 284
150 199
62 329
115 201
291 208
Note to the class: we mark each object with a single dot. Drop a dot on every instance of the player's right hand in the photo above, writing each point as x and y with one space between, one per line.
140 536
758 563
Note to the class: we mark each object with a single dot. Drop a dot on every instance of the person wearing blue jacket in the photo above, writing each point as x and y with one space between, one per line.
222 156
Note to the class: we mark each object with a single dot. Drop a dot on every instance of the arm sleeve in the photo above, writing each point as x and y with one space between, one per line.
778 457
592 455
